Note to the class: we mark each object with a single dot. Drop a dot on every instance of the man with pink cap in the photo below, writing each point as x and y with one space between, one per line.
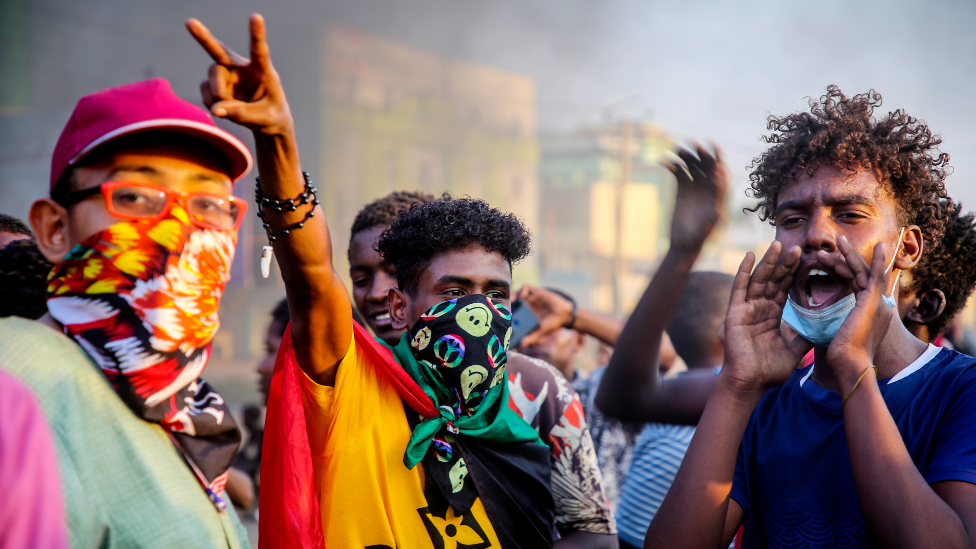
141 224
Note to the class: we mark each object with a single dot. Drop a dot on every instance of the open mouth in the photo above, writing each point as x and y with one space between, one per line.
820 287
381 318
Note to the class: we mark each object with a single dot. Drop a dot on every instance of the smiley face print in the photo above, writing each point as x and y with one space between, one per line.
421 340
471 377
475 319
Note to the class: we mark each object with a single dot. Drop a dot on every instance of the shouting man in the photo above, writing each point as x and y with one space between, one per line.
872 445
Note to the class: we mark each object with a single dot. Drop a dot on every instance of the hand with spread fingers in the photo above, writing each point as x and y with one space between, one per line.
859 337
757 354
700 200
246 91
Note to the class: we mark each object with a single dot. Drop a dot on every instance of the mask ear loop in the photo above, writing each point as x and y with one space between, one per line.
892 264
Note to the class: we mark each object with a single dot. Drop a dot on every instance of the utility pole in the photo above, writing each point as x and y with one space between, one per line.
619 265
550 242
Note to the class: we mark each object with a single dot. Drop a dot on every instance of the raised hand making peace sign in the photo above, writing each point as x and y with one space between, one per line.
249 92
246 91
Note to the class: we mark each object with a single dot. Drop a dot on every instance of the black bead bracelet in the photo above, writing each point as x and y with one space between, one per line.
285 204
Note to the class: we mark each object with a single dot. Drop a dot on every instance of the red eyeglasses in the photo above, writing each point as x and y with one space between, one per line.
129 200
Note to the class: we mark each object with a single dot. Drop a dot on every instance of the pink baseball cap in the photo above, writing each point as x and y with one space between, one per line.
148 105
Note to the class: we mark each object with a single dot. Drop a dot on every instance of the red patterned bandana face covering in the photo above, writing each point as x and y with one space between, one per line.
141 299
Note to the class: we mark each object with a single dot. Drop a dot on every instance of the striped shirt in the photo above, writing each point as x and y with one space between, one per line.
657 456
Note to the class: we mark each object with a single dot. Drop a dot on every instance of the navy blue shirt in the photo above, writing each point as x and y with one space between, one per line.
793 476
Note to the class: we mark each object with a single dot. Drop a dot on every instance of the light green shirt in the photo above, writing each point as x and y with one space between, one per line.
125 484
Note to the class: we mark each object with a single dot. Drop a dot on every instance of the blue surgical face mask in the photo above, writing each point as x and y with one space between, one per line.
820 327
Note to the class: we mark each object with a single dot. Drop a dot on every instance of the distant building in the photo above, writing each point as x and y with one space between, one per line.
397 118
580 173
372 116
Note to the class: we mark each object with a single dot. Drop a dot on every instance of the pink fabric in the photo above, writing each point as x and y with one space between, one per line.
31 508
150 104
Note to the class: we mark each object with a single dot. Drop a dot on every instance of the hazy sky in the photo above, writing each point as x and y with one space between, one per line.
702 70
712 70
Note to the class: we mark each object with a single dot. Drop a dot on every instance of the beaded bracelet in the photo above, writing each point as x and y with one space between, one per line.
281 205
286 204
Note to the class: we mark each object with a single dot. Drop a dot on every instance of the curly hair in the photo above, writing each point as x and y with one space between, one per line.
421 232
950 266
842 131
23 280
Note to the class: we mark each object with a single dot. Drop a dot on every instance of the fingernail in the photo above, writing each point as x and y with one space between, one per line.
220 111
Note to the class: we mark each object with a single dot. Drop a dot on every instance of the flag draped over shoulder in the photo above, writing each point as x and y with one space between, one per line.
288 507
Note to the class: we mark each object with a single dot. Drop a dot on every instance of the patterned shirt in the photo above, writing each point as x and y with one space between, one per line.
614 439
544 398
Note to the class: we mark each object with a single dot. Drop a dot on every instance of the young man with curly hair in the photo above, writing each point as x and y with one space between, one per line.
932 294
927 303
872 445
539 394
372 446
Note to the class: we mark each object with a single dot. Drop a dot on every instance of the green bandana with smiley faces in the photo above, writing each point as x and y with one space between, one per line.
457 353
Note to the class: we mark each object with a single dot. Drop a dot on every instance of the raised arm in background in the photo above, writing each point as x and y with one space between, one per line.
249 92
631 388
555 311
697 511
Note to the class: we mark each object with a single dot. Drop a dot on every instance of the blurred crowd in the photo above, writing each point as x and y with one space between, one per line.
824 399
